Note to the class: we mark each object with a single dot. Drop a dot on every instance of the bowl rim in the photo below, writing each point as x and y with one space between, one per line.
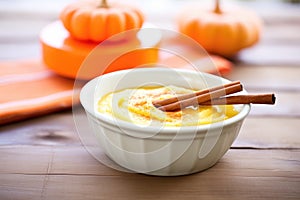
119 123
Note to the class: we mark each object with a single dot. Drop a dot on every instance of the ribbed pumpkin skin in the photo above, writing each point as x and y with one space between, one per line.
87 21
223 33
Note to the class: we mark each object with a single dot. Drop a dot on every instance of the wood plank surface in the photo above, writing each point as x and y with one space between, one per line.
267 77
48 161
75 179
59 130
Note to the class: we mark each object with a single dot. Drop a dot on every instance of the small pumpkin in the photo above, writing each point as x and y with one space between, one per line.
221 31
89 20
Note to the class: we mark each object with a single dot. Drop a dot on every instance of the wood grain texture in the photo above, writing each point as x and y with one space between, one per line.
267 77
59 130
269 133
276 174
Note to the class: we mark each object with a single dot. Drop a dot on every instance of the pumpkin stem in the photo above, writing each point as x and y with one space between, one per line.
217 7
103 4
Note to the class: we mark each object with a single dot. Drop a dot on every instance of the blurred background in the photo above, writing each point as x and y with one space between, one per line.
29 17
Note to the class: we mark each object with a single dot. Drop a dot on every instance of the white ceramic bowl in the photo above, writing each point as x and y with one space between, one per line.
164 151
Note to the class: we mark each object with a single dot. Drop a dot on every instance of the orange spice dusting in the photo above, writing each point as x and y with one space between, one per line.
135 105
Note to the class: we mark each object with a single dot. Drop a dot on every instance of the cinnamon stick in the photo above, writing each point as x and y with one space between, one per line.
160 103
243 99
196 100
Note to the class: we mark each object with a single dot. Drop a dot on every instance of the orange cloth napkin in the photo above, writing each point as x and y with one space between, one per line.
28 89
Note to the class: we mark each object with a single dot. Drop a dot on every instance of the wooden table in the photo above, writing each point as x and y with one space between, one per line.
43 158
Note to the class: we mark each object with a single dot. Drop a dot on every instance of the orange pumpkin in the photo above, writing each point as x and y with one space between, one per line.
221 31
89 20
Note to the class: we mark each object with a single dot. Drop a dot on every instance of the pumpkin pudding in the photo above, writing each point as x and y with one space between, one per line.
135 105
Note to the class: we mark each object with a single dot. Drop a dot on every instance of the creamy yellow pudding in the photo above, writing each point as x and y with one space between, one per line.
135 105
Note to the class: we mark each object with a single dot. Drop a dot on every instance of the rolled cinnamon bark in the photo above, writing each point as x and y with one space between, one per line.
243 99
163 102
196 100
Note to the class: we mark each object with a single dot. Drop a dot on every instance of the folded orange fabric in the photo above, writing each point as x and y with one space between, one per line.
28 89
